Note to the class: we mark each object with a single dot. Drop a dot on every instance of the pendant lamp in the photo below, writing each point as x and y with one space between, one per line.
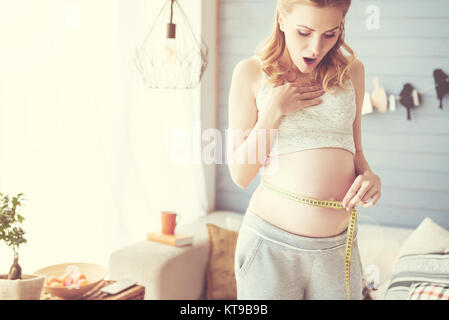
171 56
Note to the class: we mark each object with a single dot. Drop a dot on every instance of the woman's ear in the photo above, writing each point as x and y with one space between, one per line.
281 23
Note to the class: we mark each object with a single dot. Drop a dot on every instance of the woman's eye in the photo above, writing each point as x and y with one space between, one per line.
308 34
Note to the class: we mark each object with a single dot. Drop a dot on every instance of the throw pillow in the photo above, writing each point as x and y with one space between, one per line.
423 258
428 237
428 291
220 269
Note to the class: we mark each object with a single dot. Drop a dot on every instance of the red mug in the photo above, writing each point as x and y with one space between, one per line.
168 221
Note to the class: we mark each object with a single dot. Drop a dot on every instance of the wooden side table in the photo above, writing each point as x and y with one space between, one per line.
136 292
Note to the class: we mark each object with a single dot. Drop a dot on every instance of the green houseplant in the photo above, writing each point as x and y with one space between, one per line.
10 232
16 285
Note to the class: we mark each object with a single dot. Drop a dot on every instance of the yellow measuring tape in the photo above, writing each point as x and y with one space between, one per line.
326 204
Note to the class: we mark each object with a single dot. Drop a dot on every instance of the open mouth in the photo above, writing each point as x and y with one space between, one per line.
310 61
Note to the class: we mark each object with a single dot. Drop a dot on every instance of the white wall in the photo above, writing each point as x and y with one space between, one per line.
81 136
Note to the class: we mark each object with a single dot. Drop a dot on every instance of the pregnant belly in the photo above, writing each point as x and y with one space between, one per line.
322 173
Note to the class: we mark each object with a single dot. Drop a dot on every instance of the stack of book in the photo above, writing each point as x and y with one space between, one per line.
175 240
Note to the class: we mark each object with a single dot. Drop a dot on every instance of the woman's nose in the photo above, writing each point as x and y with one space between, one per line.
315 47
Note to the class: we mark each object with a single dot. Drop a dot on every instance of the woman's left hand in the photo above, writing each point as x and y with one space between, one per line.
365 187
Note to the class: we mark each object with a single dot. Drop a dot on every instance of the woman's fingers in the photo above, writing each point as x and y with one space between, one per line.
311 102
304 89
311 94
372 201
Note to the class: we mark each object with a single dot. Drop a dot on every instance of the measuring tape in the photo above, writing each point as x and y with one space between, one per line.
326 204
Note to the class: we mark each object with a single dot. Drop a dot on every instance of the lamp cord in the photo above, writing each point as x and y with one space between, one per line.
171 11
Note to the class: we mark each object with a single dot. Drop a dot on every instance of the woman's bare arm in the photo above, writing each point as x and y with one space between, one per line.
250 133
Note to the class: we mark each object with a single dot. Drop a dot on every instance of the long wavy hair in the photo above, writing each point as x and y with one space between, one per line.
330 72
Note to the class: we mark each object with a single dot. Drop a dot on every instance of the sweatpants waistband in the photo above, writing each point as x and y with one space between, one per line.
272 233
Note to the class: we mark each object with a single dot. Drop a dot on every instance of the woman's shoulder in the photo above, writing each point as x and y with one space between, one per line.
356 70
251 68
254 63
251 64
257 60
357 76
356 64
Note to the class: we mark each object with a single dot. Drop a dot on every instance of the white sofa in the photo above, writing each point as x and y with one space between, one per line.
180 272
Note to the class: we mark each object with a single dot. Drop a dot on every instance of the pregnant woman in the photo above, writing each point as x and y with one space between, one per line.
298 238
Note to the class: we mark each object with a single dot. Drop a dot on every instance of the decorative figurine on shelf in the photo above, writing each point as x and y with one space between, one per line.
441 84
379 97
367 107
392 102
409 98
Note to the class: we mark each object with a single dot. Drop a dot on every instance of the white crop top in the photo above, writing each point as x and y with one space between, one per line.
328 124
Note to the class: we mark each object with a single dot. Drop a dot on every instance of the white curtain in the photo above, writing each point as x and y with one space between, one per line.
82 137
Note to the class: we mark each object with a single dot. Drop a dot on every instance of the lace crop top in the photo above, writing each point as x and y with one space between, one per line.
328 124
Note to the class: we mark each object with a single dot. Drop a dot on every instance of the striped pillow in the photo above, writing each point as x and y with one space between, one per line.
428 291
417 268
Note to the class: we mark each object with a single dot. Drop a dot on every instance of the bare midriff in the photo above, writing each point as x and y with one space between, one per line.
321 173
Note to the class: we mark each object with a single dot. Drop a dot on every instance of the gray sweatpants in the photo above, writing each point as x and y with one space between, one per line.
274 264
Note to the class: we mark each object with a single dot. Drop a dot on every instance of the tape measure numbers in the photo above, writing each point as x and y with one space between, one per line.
326 204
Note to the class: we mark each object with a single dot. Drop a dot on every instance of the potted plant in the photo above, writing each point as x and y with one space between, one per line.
15 285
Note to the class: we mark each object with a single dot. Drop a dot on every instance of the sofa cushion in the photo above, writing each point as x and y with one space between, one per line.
424 257
220 269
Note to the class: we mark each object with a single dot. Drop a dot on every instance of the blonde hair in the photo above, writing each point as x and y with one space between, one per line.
330 72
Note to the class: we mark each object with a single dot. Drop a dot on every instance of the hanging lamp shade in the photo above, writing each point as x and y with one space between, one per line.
171 56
